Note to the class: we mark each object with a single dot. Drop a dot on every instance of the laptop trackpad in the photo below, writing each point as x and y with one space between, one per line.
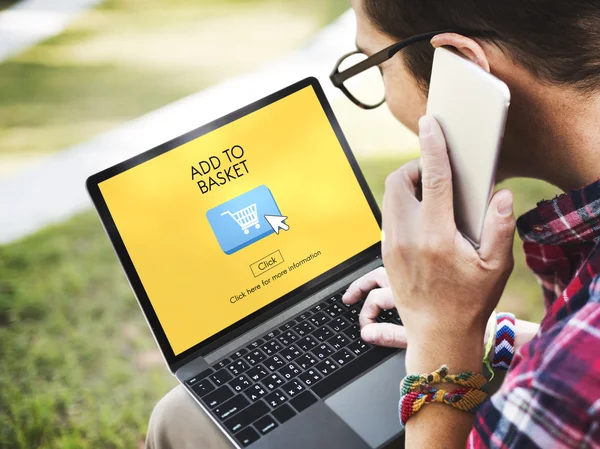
369 405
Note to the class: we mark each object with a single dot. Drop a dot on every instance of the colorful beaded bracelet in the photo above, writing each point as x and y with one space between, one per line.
465 399
416 391
504 348
414 382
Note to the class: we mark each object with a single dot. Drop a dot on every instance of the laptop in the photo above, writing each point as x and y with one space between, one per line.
239 239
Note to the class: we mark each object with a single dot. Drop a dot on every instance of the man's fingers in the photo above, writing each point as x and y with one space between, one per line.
377 300
436 176
384 334
360 288
498 230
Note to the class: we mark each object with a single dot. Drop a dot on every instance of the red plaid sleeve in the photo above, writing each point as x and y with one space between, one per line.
551 396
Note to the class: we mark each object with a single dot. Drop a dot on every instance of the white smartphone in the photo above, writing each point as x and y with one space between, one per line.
471 106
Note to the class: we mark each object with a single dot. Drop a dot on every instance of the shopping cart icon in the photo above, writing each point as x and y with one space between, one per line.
246 218
241 221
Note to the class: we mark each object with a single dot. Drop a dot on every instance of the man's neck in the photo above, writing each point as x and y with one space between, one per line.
571 143
555 133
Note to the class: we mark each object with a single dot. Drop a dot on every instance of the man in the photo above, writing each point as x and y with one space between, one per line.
548 53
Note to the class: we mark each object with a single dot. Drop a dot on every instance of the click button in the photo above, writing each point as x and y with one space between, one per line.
266 263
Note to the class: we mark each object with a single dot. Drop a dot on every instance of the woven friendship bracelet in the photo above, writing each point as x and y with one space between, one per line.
504 349
415 382
465 399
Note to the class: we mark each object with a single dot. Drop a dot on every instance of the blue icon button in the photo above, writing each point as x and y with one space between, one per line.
241 221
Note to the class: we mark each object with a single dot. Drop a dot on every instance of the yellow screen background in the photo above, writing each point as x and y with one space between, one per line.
160 214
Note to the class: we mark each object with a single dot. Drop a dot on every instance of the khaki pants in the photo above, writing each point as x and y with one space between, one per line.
177 422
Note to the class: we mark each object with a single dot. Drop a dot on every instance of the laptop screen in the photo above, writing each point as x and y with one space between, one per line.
229 222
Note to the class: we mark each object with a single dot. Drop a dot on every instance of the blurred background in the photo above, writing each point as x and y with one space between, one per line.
87 83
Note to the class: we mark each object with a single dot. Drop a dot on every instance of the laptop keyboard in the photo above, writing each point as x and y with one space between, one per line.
256 389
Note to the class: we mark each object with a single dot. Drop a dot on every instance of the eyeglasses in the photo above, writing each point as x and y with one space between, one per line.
367 91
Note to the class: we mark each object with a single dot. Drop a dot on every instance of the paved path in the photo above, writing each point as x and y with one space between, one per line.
31 21
53 189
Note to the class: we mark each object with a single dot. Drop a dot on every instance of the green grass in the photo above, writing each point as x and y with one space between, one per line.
78 362
72 344
129 57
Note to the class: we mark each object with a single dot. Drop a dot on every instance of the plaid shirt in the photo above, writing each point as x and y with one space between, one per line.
550 397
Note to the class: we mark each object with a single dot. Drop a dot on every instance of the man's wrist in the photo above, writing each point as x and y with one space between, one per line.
460 352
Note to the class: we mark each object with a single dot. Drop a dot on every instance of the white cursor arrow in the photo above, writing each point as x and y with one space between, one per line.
277 222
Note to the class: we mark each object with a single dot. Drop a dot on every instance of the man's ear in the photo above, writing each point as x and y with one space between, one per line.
465 46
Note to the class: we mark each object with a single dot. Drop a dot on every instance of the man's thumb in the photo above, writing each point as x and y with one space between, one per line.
384 334
498 229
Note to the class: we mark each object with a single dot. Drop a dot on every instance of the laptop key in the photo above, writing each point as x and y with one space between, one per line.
218 396
307 343
255 392
238 367
359 347
303 316
291 353
293 388
335 310
273 381
310 377
255 344
247 436
271 347
222 364
303 401
289 371
240 383
306 361
255 357
257 373
343 356
238 354
287 338
283 413
304 328
271 335
352 369
318 307
323 333
339 324
352 332
276 398
203 387
231 407
199 377
246 416
265 424
331 300
338 342
352 315
319 319
221 377
274 363
323 351
326 367
287 326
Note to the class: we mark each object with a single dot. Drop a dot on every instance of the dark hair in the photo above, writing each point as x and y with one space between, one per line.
556 40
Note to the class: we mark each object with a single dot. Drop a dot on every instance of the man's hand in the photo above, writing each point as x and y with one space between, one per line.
443 288
374 286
